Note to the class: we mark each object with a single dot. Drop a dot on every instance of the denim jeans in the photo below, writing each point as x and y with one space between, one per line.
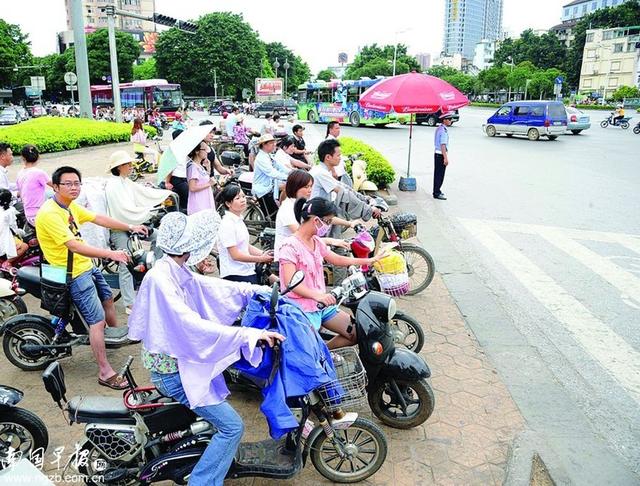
218 456
88 291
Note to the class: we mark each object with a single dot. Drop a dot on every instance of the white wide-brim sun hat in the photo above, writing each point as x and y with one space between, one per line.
195 234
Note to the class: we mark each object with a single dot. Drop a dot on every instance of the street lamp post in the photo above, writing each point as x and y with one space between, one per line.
286 67
215 83
511 70
526 87
276 65
395 48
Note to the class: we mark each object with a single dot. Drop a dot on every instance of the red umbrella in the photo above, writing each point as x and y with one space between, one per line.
412 93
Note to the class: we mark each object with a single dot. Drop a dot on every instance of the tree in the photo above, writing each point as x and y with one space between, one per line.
442 72
375 60
623 15
542 82
54 66
223 41
298 72
326 75
267 69
494 78
15 50
127 51
517 77
146 70
463 82
626 92
544 51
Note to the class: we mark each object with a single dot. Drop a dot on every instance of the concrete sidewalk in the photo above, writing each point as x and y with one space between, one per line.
465 442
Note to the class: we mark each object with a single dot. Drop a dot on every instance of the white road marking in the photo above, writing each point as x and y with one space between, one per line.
627 283
617 357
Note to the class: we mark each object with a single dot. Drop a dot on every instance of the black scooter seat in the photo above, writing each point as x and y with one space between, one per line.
29 280
98 409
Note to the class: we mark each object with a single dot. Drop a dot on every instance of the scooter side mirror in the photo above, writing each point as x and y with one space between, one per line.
53 378
296 280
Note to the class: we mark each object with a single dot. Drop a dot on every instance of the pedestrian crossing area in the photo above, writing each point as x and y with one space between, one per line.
622 272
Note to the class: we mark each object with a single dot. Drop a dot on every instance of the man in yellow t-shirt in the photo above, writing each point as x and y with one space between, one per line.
57 224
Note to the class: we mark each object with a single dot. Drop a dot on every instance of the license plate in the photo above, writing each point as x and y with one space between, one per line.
557 123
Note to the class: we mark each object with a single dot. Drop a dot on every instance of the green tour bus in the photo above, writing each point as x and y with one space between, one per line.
322 102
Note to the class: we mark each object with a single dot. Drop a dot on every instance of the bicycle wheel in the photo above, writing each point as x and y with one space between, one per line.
420 266
255 220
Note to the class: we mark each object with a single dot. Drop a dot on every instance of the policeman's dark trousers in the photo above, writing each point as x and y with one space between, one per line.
438 173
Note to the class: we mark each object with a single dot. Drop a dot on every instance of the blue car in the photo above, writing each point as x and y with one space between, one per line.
533 119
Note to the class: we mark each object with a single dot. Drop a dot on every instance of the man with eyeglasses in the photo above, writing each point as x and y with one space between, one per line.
57 224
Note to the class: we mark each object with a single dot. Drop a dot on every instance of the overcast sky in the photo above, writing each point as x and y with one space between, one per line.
315 30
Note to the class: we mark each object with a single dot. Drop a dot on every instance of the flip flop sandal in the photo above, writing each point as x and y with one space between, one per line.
115 382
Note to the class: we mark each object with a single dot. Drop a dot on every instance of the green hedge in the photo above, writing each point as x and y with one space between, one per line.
52 134
379 170
486 105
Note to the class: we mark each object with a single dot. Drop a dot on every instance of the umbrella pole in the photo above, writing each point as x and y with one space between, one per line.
410 137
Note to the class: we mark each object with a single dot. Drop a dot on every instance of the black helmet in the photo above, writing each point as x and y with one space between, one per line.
5 198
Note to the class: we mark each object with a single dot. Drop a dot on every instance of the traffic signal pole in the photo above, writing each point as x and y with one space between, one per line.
111 12
82 62
115 79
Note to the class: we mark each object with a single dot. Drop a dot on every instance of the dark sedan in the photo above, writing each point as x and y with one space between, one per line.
432 119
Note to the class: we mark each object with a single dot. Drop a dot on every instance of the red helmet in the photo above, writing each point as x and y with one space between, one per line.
225 114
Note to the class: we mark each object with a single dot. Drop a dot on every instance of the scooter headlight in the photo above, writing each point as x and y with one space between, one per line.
393 308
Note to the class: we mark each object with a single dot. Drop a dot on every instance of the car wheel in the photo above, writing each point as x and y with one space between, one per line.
491 130
533 134
432 121
354 119
312 117
576 132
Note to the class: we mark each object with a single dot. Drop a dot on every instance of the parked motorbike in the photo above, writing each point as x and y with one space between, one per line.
11 303
622 123
359 175
32 257
398 392
146 438
21 431
30 341
390 229
406 331
636 129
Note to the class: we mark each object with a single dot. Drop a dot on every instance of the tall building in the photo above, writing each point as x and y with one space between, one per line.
424 60
611 59
572 12
95 18
467 22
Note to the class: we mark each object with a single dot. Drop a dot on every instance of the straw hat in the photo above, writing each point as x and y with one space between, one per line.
118 158
267 137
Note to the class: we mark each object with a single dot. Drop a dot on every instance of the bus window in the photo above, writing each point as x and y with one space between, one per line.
167 97
132 97
353 95
302 95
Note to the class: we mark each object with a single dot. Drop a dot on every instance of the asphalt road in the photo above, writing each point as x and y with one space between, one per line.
539 243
